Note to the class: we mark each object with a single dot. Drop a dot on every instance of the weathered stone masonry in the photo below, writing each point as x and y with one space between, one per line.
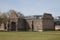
32 23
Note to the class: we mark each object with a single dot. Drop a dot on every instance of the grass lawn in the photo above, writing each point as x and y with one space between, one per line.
30 35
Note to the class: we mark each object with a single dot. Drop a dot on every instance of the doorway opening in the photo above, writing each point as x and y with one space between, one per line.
13 26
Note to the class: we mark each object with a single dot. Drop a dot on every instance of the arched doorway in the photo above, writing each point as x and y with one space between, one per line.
13 26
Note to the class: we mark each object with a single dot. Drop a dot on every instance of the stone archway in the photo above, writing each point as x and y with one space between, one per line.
13 26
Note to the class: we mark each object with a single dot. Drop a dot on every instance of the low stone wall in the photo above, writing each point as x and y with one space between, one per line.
57 27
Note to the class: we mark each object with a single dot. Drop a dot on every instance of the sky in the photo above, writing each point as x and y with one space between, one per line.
31 7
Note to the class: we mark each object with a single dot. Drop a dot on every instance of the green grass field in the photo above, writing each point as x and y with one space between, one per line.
30 35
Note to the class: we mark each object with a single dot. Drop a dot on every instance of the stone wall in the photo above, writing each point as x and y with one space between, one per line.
45 23
37 25
29 21
2 27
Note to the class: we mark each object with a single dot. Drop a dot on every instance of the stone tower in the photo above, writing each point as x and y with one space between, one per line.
47 22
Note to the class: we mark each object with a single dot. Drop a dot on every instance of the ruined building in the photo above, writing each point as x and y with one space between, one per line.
19 22
41 22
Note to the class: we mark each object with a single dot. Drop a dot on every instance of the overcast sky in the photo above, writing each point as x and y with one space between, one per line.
31 7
